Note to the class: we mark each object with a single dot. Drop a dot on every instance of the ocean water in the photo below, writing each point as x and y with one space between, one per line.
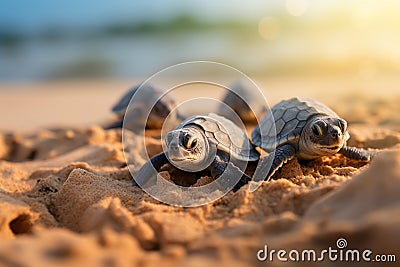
67 53
124 57
76 42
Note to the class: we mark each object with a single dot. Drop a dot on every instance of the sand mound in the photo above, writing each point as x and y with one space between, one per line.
66 199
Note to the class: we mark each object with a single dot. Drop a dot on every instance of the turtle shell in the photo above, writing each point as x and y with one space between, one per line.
290 116
226 135
150 94
233 99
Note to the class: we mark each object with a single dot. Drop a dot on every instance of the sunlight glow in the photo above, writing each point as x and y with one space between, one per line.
296 7
269 28
367 69
367 14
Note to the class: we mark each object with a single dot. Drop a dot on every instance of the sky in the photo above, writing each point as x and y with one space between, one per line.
37 15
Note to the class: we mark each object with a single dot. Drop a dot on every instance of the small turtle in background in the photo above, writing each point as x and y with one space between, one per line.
305 128
136 117
233 98
204 142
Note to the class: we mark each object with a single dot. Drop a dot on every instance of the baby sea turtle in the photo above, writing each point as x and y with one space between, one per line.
137 116
204 142
305 128
233 98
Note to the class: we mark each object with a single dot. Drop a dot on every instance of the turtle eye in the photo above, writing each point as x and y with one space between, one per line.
188 141
192 143
317 130
342 125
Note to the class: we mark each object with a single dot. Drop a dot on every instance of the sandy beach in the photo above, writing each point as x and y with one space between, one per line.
66 197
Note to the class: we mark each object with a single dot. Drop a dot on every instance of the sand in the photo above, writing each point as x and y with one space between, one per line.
66 197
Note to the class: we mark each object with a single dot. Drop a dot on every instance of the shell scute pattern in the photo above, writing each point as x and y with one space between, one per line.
289 127
209 134
290 117
302 107
303 115
223 138
210 126
279 124
227 136
277 113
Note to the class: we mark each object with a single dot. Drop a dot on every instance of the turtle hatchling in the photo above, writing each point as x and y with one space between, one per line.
306 129
136 117
204 142
246 105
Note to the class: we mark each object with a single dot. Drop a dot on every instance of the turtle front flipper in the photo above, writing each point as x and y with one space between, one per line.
146 175
356 153
281 155
221 164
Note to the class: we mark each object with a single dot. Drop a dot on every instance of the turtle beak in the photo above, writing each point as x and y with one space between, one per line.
173 142
174 152
169 137
336 134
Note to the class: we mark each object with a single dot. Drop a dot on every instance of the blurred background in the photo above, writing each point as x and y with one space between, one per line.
291 47
49 40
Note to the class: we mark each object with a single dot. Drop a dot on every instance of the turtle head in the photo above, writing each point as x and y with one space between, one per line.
188 149
325 135
158 114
